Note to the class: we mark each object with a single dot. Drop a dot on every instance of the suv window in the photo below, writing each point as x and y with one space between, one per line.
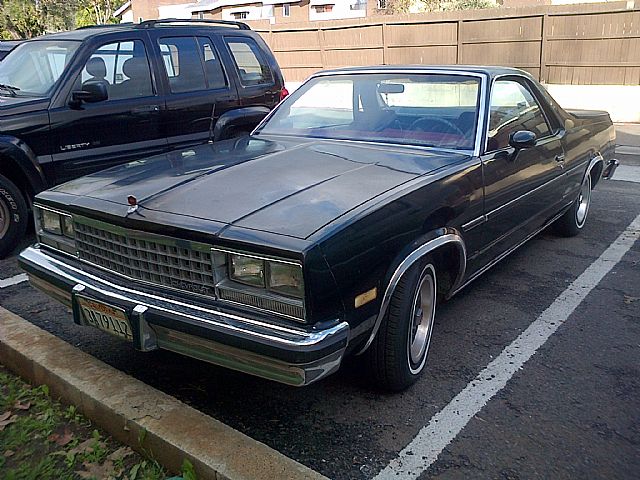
123 66
191 64
212 66
253 68
513 108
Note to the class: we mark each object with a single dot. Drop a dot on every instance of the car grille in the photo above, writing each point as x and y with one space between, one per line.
159 260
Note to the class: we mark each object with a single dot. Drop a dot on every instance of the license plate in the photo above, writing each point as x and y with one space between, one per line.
109 319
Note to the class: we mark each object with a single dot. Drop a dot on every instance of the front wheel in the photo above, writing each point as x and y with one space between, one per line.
399 352
13 216
572 221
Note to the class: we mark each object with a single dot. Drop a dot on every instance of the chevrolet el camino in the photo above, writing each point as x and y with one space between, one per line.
363 200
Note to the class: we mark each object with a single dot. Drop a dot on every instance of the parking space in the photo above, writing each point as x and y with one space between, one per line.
572 410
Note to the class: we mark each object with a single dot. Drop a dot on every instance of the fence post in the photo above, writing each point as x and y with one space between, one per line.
384 42
460 45
543 48
323 58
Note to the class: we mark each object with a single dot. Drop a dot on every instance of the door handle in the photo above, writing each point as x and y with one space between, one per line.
146 109
560 158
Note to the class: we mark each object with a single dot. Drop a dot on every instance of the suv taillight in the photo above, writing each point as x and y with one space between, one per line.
283 93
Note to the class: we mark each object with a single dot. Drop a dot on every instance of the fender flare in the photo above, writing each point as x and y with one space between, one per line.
239 117
17 155
407 258
596 162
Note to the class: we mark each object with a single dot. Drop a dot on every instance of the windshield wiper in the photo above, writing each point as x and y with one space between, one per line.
10 88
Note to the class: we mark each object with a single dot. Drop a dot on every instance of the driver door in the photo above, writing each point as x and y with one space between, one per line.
94 136
522 188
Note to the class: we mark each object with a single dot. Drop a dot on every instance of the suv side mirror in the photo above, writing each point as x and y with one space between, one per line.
91 92
522 139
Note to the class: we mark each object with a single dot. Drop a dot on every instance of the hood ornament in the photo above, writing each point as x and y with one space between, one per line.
133 204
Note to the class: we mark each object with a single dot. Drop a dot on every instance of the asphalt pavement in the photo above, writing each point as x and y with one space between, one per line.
571 411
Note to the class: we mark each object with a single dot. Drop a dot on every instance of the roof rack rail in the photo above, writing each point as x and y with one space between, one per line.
228 23
105 25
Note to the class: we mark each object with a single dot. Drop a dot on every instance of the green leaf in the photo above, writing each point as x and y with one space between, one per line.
188 472
133 473
141 436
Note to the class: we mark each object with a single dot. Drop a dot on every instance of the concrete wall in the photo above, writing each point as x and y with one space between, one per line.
621 101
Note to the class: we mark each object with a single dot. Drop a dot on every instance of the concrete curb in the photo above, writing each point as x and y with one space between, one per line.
131 411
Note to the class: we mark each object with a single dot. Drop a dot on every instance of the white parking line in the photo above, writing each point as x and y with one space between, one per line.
627 173
7 282
443 427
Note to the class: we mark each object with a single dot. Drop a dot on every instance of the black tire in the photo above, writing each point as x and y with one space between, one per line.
13 216
390 357
573 220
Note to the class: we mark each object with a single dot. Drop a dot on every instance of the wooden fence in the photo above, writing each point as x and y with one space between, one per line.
578 44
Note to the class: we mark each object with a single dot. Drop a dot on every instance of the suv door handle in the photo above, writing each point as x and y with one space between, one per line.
560 158
146 109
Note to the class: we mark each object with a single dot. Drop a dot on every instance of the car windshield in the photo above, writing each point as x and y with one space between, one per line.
430 109
33 68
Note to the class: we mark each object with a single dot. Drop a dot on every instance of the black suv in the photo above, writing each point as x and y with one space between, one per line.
75 102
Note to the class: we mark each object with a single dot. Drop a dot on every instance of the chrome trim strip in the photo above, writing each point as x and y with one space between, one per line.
529 192
507 252
592 163
409 260
256 256
474 223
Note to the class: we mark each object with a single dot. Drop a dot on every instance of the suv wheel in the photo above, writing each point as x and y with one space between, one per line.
398 354
13 216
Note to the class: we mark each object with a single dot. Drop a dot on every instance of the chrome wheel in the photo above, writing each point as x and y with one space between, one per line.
4 218
584 199
422 317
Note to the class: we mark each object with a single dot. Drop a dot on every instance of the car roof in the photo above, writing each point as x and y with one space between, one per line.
6 45
85 33
491 71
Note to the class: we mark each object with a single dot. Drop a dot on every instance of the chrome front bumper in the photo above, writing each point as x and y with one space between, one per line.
283 354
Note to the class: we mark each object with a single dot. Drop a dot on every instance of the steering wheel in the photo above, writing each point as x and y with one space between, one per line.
421 124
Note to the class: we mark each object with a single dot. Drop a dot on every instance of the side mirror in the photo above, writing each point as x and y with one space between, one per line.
522 139
92 92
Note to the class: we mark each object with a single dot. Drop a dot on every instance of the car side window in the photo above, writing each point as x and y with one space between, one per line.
123 67
253 68
212 67
513 108
182 62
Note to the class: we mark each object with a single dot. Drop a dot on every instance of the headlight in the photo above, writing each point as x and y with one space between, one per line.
51 222
247 270
286 279
55 229
267 283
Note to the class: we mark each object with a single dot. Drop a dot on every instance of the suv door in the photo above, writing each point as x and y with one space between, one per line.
257 81
198 89
93 136
522 189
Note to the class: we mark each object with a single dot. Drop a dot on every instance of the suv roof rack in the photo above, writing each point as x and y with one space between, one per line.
105 25
227 23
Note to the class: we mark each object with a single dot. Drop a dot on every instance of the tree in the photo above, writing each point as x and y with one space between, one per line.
20 19
395 7
97 12
30 18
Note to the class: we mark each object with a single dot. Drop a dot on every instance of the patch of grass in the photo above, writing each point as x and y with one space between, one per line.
42 440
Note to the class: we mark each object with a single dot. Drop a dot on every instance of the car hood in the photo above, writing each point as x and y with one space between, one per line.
14 105
285 187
